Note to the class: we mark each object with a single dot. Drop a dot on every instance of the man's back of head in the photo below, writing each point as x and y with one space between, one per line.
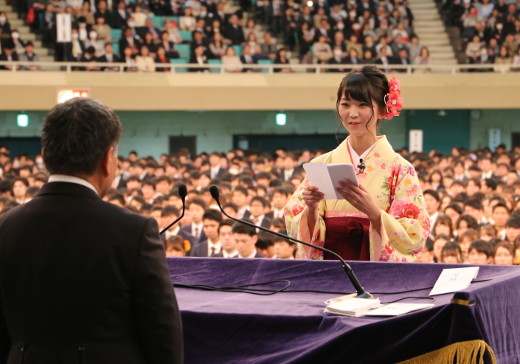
77 135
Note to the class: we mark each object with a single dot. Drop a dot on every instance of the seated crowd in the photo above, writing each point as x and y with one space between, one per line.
473 199
144 33
490 31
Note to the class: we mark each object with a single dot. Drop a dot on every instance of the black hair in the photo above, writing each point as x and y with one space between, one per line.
170 210
482 246
212 214
474 203
434 194
239 228
77 134
260 199
368 85
199 201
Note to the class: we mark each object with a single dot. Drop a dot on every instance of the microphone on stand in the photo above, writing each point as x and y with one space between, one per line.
182 193
361 293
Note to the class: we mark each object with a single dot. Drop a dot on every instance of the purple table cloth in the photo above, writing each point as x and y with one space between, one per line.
291 327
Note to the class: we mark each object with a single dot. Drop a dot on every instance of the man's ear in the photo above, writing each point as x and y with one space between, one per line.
106 161
255 238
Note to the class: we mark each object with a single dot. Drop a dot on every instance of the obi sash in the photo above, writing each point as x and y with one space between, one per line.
348 236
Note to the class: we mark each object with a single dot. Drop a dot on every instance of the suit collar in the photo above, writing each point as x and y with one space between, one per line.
67 188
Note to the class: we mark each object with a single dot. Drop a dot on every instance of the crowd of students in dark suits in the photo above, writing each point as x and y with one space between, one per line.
471 196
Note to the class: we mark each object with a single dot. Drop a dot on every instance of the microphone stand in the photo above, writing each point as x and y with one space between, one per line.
182 193
361 293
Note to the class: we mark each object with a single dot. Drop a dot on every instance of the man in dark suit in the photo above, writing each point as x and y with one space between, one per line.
109 57
119 16
257 207
402 59
216 170
82 280
8 55
233 31
245 238
129 39
211 246
196 209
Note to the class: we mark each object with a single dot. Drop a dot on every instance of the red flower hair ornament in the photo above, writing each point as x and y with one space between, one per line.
393 101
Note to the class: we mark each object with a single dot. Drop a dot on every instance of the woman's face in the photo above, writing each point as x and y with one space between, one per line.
503 256
442 229
437 248
436 177
359 118
451 259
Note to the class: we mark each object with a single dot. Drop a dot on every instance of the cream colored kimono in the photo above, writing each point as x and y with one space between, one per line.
394 186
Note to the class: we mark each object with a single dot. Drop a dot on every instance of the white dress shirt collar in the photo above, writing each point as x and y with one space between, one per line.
72 179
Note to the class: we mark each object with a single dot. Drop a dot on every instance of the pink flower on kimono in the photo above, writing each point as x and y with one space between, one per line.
411 211
297 209
414 191
411 171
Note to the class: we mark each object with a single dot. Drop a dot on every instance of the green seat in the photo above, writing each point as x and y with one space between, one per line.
158 21
238 50
215 61
184 50
265 61
180 60
186 35
115 46
115 34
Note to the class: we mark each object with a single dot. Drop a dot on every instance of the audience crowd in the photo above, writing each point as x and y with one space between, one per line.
146 32
490 31
333 32
473 199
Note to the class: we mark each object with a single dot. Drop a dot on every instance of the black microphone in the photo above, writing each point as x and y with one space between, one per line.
361 166
182 193
350 273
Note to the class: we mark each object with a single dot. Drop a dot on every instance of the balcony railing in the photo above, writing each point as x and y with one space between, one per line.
25 66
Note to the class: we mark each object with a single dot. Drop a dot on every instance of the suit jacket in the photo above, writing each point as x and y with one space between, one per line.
201 250
84 281
3 57
196 241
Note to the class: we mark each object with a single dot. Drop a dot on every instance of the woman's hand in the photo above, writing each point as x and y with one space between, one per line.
362 200
312 197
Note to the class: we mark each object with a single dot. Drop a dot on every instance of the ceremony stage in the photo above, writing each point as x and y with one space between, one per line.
291 327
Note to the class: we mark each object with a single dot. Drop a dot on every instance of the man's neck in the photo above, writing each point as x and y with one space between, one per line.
247 254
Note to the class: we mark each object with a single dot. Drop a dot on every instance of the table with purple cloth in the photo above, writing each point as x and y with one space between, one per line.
291 327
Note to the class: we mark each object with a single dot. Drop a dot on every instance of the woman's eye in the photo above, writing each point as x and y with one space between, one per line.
345 104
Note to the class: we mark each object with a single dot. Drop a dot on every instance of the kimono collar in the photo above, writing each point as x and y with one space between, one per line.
382 147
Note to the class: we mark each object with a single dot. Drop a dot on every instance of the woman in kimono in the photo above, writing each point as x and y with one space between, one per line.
382 219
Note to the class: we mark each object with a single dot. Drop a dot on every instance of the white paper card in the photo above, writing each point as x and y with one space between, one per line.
353 306
327 177
454 279
397 308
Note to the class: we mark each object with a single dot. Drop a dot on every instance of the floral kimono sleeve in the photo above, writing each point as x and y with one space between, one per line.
405 224
295 214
